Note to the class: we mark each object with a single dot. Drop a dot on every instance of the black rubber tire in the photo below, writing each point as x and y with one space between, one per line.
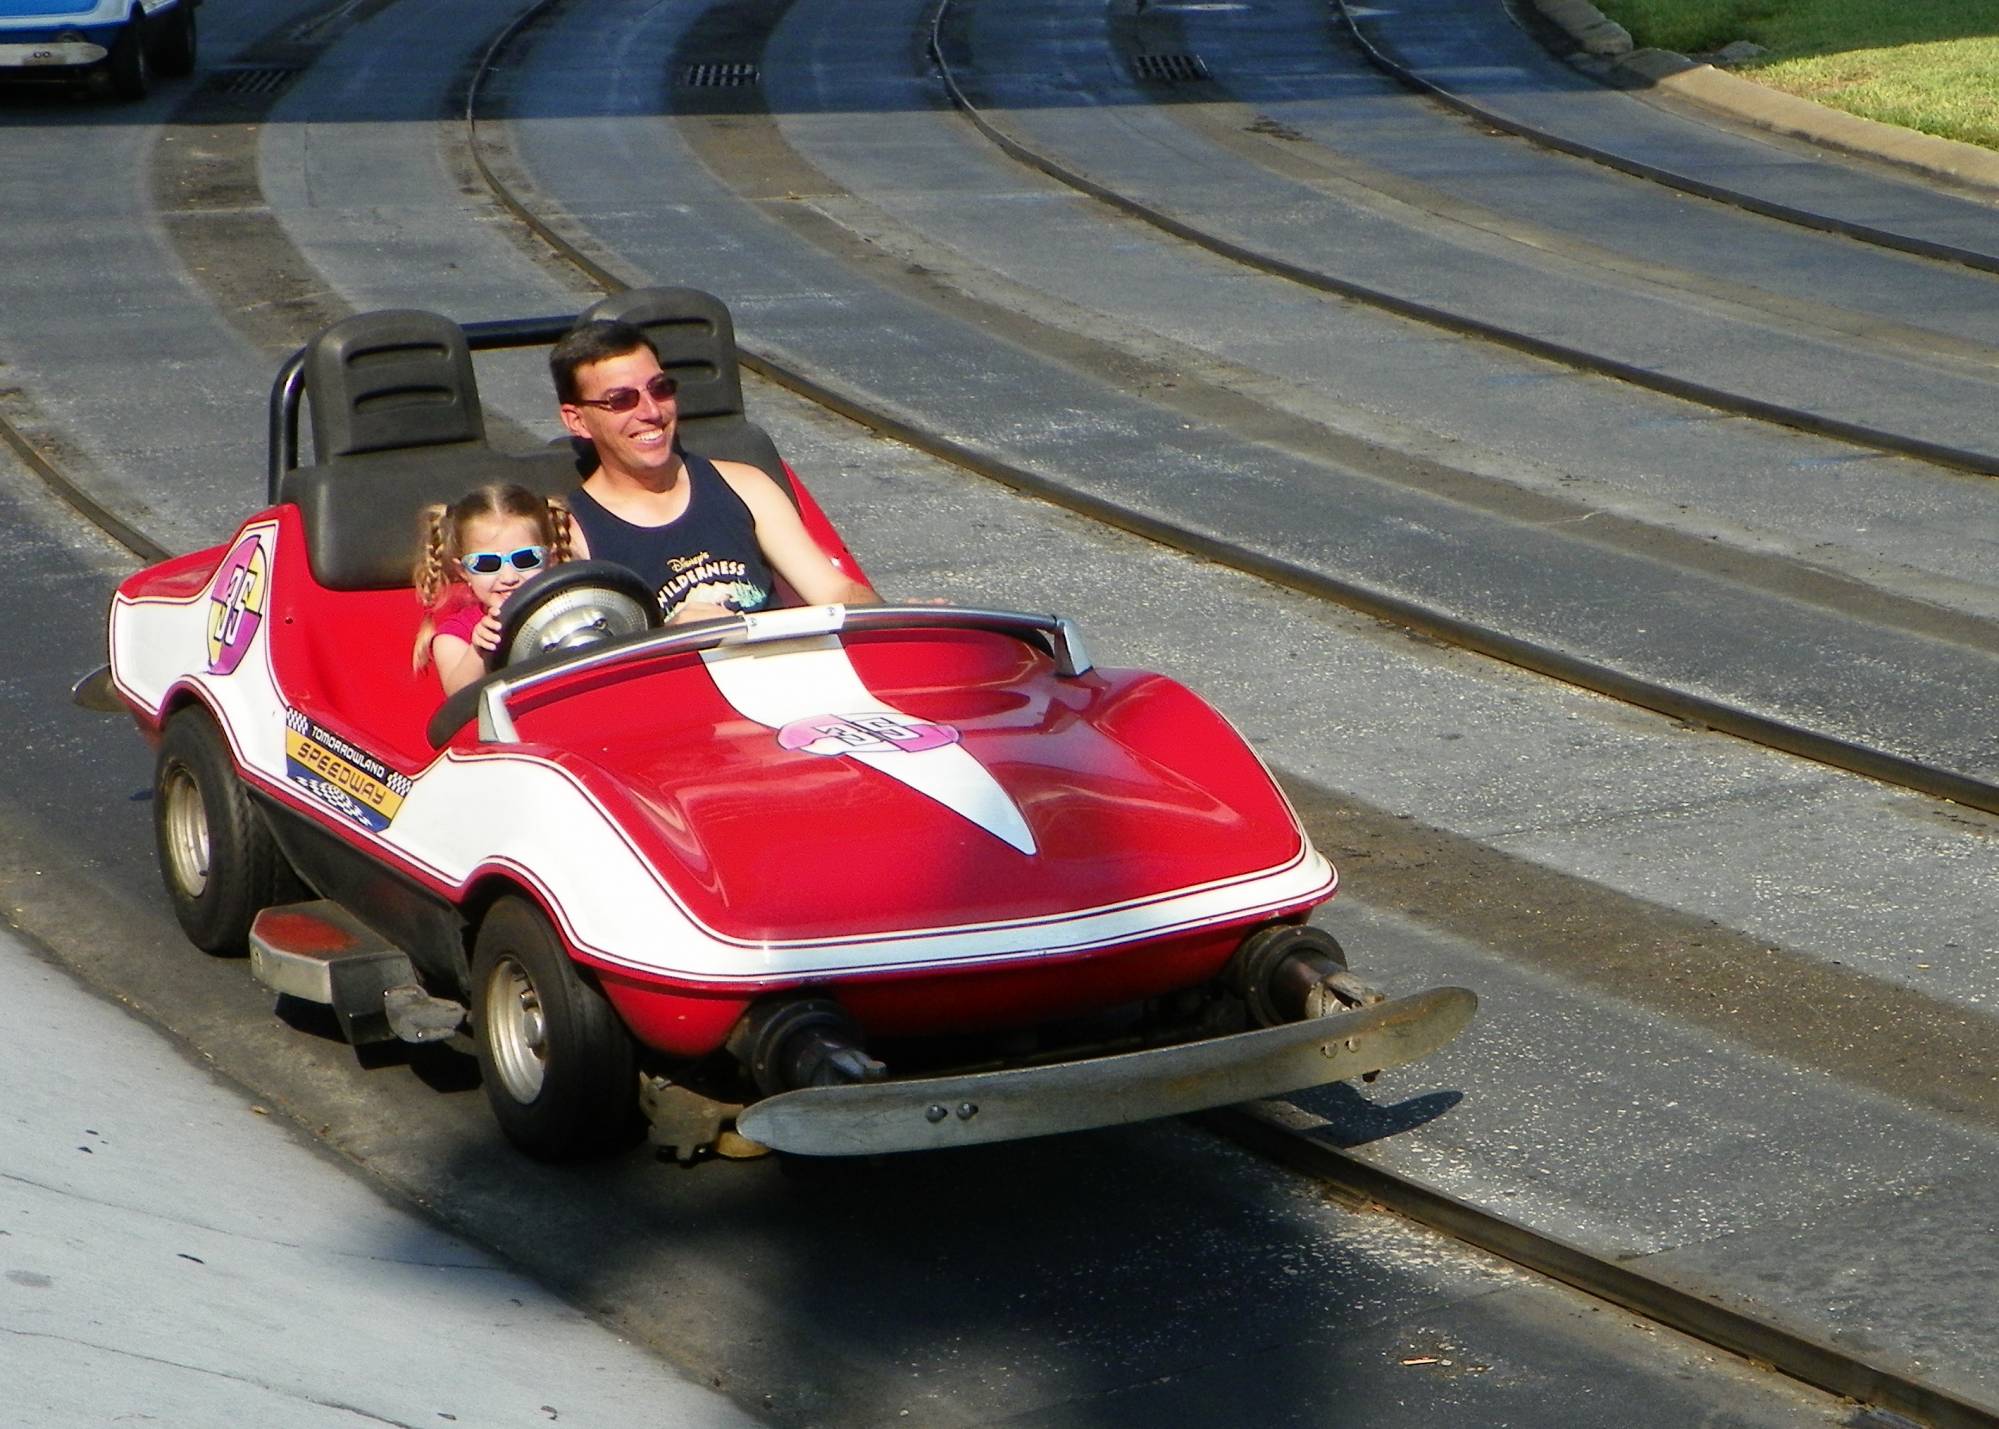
560 1068
217 858
131 62
174 45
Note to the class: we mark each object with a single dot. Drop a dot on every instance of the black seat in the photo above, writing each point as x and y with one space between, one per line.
396 425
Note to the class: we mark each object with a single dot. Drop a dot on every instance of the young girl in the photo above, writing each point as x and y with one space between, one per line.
475 552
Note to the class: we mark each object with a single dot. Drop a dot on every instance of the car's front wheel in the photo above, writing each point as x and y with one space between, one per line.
217 857
131 63
560 1069
174 43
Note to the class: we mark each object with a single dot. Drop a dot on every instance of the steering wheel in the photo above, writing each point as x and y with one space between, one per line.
570 607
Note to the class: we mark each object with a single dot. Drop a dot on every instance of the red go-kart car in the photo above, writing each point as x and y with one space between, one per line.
827 880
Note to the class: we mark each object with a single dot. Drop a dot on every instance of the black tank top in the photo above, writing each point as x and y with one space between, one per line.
709 552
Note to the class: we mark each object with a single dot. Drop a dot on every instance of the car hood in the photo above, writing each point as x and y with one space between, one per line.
893 785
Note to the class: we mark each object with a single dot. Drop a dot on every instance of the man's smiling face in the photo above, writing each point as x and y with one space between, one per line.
637 443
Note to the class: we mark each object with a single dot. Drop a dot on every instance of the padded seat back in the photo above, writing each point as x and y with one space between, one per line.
396 426
360 513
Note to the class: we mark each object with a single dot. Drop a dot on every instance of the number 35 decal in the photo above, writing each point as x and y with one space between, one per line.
236 604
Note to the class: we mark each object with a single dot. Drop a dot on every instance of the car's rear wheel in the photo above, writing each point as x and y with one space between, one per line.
560 1069
131 65
174 41
217 858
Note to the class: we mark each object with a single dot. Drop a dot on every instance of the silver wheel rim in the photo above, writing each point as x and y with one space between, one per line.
516 1030
186 832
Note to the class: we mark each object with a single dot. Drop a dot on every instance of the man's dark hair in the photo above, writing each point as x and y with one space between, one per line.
592 342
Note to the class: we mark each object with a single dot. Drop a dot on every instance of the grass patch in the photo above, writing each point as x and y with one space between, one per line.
1930 65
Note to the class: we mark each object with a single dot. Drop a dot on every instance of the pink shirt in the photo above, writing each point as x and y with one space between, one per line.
456 613
461 621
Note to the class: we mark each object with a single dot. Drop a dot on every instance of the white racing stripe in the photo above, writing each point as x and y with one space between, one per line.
814 685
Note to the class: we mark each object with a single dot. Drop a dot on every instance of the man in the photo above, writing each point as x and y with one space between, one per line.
709 536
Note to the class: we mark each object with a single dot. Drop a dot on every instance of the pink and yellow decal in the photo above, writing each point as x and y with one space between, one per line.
236 604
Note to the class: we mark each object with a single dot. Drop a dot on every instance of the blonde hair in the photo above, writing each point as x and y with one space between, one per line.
441 541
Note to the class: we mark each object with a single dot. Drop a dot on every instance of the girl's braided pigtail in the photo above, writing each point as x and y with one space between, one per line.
559 546
428 578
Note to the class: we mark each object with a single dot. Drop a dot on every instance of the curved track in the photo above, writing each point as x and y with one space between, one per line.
1480 60
1149 181
800 355
1520 319
1923 721
1939 777
1667 319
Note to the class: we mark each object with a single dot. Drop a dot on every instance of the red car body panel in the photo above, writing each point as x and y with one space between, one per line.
1091 840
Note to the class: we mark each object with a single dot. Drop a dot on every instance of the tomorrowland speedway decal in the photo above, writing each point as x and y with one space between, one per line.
341 775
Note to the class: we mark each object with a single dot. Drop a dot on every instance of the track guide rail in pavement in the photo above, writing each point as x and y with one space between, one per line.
1860 434
1380 55
1595 676
1284 1133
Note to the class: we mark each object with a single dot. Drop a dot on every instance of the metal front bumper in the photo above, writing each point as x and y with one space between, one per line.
921 1114
50 54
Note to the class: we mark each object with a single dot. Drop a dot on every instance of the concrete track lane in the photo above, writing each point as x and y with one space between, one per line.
1472 48
671 217
872 155
1308 101
1047 76
1807 864
90 288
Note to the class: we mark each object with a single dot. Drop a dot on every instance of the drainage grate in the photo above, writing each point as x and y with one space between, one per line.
718 76
1169 69
253 79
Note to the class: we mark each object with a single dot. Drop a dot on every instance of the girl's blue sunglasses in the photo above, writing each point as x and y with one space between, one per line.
485 563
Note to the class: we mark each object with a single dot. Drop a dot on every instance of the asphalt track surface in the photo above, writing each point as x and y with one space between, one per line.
1491 272
1490 66
1703 966
1151 1273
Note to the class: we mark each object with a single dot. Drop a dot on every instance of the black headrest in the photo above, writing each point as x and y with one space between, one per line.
696 341
397 378
397 426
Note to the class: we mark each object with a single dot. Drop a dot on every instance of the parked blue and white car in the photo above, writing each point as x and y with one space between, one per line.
128 40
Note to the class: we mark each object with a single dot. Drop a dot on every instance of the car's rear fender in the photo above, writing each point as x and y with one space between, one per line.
184 696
